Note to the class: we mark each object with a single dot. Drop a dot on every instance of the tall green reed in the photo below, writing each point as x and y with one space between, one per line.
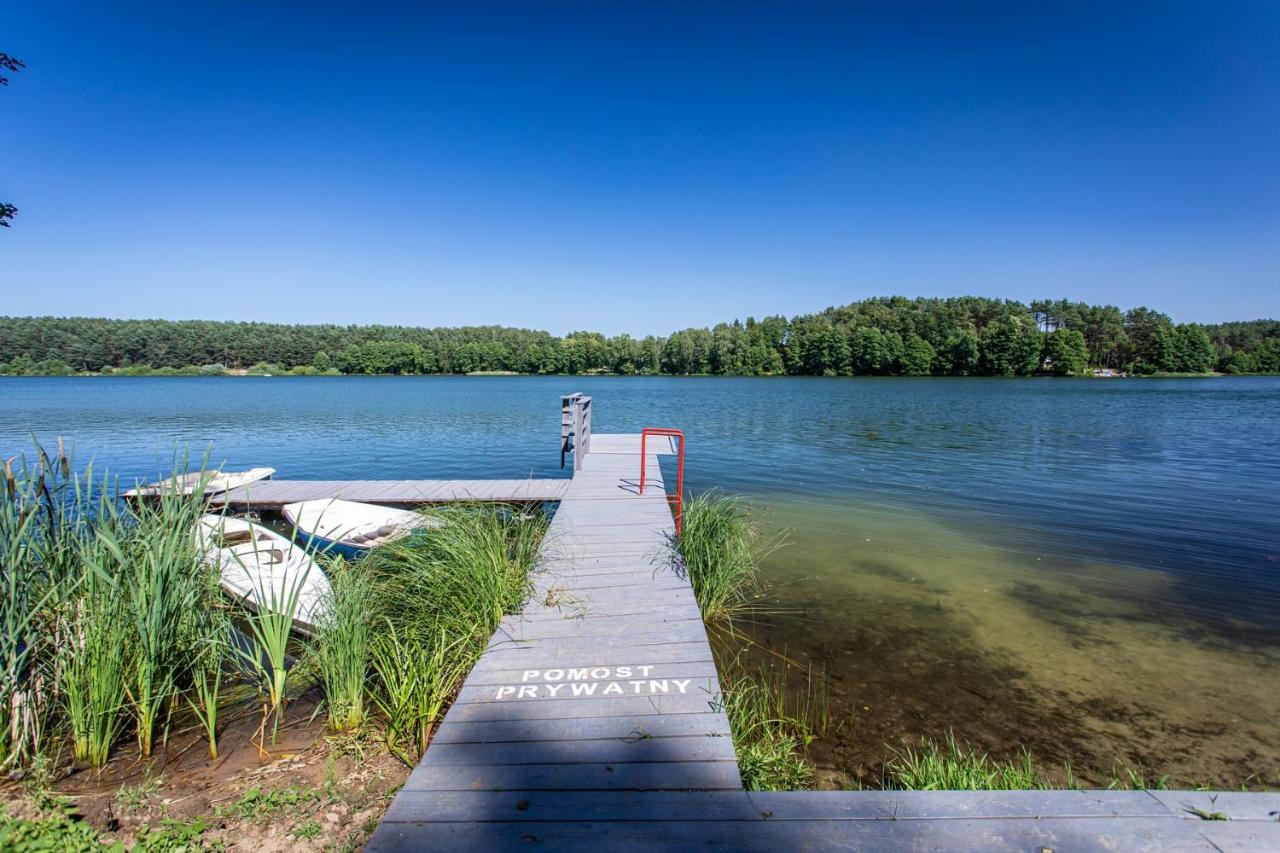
90 655
21 599
439 596
721 548
155 560
462 576
417 674
270 620
206 684
340 650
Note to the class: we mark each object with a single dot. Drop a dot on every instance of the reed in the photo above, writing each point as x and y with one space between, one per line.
270 623
90 655
721 548
205 695
416 677
340 650
461 576
440 595
22 593
155 560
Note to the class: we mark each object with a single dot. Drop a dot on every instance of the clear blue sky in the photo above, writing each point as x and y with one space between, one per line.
575 166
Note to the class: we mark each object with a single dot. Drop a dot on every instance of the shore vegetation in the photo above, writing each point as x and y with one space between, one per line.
882 336
117 646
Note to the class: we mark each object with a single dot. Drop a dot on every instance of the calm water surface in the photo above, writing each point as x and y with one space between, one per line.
1089 568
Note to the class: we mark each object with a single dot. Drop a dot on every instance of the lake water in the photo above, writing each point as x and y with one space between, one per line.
1087 568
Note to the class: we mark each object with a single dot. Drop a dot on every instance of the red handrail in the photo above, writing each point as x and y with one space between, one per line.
679 495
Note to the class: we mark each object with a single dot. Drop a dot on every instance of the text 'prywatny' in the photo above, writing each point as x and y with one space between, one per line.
587 681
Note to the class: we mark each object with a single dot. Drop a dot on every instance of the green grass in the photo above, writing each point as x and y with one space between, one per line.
175 836
955 765
722 548
56 831
436 598
772 728
950 765
257 806
136 796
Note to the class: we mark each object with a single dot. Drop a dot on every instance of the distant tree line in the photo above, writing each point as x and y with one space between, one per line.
963 336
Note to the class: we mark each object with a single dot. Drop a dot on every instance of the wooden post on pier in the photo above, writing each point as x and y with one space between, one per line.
575 428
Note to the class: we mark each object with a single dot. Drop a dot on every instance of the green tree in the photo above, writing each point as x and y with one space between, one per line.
874 351
322 362
13 65
917 356
1011 347
1195 351
1068 352
960 354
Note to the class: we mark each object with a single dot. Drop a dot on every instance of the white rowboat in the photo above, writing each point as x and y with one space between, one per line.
265 570
213 482
353 525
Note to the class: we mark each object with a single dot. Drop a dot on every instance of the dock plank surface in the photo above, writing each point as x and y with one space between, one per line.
273 494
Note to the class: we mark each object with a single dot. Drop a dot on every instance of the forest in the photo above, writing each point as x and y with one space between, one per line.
960 336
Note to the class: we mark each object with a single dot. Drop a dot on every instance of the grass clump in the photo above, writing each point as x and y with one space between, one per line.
954 766
257 805
57 831
176 836
436 599
772 728
341 648
721 548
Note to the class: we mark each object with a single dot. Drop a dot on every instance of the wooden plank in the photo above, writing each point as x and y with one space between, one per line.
272 494
653 776
583 728
911 805
576 709
619 750
511 655
524 806
678 628
1101 834
1236 805
563 608
1240 836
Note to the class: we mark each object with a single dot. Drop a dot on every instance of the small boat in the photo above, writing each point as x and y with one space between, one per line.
357 527
265 570
213 482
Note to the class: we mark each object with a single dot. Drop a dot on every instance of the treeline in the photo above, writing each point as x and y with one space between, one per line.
965 336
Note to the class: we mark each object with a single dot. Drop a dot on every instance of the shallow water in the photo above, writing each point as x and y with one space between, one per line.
1090 568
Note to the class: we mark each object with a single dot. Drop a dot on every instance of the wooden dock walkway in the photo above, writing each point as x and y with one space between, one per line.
591 723
273 494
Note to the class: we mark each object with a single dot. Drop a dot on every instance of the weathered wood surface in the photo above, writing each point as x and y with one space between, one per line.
273 494
569 764
478 819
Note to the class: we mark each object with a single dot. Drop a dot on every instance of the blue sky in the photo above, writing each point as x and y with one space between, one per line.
637 167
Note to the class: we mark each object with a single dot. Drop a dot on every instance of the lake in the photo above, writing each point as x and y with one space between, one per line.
1088 568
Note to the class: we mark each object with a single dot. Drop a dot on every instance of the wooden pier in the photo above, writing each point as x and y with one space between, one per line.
273 494
592 721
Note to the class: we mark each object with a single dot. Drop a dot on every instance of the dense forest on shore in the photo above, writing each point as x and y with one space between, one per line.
965 336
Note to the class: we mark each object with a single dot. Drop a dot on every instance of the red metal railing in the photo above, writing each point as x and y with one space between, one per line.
678 497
